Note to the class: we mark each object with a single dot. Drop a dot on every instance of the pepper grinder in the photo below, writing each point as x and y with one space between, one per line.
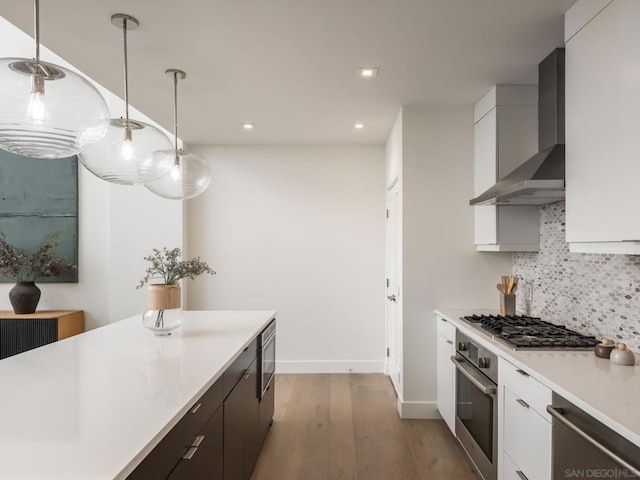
528 298
604 349
622 356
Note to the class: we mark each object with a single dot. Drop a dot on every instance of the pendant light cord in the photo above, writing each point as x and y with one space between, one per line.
175 111
126 70
36 29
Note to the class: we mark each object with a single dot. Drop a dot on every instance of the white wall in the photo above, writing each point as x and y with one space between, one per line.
441 268
117 226
300 230
393 153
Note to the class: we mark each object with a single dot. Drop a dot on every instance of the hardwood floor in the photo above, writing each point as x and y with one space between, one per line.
346 427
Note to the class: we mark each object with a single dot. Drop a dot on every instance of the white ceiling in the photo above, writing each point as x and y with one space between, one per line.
289 66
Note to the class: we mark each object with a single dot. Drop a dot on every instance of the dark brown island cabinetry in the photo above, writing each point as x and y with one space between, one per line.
221 436
241 442
204 459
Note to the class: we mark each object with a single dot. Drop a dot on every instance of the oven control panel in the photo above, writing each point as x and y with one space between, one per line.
480 357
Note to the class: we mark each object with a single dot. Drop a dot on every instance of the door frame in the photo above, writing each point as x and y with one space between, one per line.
393 273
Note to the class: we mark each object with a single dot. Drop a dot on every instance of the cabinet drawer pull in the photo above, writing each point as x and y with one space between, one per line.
449 342
195 409
521 475
443 320
246 349
198 440
246 374
522 372
190 453
522 402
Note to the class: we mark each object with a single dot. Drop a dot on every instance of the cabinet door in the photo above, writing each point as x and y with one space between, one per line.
241 445
204 461
251 420
485 176
602 125
503 140
446 375
527 437
20 335
510 470
164 457
239 367
266 411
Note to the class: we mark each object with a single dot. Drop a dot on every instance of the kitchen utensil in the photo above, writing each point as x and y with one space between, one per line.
603 350
500 287
510 285
622 356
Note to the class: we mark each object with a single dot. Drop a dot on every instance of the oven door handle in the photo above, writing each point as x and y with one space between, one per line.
485 386
556 413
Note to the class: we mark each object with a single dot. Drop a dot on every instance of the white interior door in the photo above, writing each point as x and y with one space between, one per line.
393 306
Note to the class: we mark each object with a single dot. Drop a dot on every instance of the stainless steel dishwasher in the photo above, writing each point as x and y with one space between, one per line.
585 448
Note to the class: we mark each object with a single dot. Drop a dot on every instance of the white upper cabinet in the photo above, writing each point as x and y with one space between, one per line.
505 136
603 126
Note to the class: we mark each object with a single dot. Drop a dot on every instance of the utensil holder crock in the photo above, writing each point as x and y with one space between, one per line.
507 304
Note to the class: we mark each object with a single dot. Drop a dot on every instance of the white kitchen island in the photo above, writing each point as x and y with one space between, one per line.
92 406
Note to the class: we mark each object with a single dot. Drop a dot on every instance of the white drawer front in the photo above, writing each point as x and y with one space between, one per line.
446 329
510 469
527 438
525 387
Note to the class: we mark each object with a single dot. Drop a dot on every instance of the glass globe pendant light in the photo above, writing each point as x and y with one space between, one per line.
125 154
47 111
188 174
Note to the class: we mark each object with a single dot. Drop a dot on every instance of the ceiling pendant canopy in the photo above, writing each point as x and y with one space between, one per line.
125 154
188 175
47 111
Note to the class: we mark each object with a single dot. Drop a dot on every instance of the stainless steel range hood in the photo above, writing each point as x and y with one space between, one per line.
541 179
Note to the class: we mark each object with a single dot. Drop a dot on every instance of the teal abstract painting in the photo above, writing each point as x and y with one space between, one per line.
38 197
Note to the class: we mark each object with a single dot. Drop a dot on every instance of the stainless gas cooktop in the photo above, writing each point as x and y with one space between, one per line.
530 333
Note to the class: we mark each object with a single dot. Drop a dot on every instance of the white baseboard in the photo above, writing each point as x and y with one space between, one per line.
330 367
420 410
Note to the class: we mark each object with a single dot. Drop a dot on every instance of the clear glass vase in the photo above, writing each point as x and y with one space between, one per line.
163 322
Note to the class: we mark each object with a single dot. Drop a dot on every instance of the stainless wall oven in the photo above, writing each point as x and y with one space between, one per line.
585 448
267 358
477 404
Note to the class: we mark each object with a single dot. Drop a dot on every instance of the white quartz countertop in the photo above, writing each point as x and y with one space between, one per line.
92 406
608 392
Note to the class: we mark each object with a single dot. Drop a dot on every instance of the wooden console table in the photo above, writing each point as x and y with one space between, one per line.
19 333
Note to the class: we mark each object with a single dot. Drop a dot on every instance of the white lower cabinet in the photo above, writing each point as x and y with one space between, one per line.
511 470
446 372
525 425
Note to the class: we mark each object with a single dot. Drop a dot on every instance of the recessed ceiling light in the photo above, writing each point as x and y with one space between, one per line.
248 126
368 72
358 126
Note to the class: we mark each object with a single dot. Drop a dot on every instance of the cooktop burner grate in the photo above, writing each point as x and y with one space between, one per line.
522 332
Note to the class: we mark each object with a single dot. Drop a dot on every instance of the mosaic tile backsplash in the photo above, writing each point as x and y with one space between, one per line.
594 294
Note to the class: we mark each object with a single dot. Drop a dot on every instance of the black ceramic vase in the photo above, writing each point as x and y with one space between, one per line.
24 297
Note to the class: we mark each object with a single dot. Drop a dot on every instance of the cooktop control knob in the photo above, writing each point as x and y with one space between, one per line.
483 362
463 346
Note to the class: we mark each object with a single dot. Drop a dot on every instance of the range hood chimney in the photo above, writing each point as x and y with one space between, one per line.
540 180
